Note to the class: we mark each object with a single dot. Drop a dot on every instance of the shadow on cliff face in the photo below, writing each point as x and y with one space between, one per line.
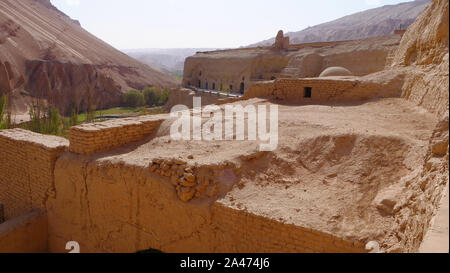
65 84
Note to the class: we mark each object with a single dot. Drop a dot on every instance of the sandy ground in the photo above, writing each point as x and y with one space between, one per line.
395 118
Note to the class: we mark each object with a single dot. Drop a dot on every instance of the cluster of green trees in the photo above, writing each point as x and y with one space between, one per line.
47 119
150 96
44 120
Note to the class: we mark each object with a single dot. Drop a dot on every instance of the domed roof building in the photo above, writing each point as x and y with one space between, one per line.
335 71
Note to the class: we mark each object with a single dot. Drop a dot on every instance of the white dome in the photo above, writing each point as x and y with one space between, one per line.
335 71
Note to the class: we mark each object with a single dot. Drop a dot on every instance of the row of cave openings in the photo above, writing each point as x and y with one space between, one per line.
213 86
307 91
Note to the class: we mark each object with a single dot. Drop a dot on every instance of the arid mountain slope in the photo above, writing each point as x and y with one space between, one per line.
48 54
169 61
370 23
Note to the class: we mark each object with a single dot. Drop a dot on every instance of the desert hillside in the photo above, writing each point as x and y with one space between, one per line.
370 23
47 54
168 60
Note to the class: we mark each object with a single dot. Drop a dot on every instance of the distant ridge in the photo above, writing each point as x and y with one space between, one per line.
370 23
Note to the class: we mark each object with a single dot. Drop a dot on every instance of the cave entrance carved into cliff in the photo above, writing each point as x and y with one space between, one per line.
242 88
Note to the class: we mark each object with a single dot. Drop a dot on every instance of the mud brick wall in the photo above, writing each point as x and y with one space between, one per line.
294 89
91 138
26 165
247 232
323 90
24 234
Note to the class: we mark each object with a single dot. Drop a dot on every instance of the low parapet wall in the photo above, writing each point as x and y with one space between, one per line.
91 138
24 234
27 162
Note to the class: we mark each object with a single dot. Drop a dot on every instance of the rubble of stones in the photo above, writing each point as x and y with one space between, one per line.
188 184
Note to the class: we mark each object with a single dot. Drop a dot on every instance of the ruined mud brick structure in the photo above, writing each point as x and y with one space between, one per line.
43 173
281 42
125 186
169 204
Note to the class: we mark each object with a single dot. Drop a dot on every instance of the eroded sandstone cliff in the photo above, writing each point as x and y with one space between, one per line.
424 51
70 85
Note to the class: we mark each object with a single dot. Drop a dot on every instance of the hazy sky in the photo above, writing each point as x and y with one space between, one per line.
129 24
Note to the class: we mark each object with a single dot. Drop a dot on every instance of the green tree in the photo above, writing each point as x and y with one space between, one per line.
150 96
164 97
133 98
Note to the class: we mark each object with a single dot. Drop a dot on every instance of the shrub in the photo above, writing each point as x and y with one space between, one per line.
155 96
133 98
